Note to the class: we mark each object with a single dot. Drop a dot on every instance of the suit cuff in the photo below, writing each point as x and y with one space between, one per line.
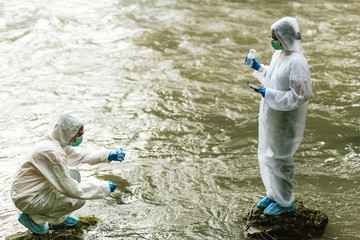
106 189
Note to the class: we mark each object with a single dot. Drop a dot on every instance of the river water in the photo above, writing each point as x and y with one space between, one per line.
165 80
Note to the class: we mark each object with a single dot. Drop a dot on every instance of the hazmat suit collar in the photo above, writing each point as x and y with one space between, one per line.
66 128
288 32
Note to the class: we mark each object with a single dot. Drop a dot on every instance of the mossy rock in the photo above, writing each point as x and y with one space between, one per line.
64 233
302 223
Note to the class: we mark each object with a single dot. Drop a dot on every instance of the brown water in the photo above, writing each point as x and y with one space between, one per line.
165 80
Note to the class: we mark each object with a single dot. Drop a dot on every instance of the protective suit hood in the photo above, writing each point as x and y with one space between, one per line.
66 128
288 32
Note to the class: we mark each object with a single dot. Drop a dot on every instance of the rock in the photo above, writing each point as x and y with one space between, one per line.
68 233
302 223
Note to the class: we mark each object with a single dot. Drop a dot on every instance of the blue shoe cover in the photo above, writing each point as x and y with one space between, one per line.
276 209
25 220
69 222
264 202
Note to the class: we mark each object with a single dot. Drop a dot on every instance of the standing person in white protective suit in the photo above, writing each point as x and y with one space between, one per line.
46 190
286 93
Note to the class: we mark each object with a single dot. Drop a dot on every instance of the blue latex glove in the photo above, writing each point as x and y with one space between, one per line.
255 64
262 91
117 156
112 187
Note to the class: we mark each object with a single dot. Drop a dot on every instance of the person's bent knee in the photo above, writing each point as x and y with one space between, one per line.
80 204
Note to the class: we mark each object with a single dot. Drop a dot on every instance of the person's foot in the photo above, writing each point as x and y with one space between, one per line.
276 209
264 202
25 220
69 222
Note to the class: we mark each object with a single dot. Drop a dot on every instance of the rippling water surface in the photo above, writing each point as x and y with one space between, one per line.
165 80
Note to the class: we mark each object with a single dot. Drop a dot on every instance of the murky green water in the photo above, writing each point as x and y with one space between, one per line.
165 79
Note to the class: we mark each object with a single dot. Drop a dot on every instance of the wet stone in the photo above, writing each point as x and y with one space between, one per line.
302 223
69 233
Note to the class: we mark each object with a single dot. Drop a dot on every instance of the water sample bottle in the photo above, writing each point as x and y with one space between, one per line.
250 57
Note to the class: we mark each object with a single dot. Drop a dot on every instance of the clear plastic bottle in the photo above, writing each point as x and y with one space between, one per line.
250 57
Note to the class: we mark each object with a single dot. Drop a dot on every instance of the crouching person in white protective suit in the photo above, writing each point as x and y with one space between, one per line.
286 94
46 190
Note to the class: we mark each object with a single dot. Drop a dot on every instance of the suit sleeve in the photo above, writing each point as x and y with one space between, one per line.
52 167
299 89
76 156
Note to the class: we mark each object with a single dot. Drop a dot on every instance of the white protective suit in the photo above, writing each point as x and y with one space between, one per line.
283 112
44 187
